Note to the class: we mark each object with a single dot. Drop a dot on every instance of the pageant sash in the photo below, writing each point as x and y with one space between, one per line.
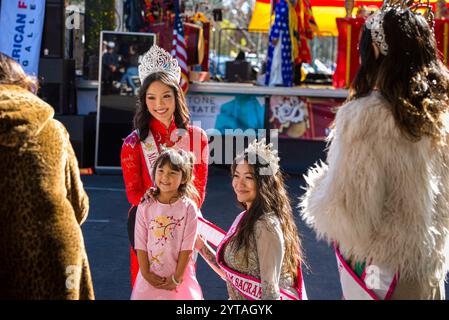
248 286
375 284
151 151
210 232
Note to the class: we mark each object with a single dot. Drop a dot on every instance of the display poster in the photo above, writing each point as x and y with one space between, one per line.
227 113
302 117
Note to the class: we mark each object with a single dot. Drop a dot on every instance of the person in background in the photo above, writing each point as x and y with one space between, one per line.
110 64
42 252
132 63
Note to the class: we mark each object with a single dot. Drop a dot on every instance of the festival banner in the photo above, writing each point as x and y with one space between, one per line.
21 24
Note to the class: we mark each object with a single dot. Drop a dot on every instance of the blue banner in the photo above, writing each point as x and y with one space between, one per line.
21 24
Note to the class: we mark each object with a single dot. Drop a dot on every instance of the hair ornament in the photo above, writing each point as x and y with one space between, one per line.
158 60
428 14
265 152
374 23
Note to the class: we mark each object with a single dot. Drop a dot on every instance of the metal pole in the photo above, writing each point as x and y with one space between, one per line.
119 19
218 52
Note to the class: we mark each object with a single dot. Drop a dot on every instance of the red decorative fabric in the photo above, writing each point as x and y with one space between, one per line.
348 40
305 29
137 178
442 38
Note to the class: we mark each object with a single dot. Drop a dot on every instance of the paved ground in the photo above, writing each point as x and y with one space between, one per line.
107 245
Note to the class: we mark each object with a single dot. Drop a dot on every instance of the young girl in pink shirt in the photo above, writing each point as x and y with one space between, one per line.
165 232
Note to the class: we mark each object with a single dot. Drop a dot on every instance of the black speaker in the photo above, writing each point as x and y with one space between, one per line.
238 71
53 36
218 14
57 80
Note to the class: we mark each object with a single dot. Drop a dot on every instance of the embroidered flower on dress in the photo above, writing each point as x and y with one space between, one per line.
163 228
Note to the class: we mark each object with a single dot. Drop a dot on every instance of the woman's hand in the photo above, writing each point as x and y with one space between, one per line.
149 195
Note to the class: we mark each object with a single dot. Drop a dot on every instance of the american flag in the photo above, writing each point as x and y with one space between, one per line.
179 48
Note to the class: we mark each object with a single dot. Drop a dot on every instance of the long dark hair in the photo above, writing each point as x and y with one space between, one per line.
411 77
366 76
12 73
142 116
271 196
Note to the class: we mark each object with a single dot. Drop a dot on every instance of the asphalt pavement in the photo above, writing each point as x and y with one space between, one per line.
106 239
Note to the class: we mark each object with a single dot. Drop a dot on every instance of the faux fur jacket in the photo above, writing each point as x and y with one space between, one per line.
43 203
382 197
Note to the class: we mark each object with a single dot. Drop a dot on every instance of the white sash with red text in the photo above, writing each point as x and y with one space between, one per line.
248 286
210 232
375 284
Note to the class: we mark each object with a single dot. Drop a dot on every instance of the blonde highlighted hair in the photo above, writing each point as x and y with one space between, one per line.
11 73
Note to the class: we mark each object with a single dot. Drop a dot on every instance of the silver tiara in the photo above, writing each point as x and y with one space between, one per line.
266 152
158 60
374 23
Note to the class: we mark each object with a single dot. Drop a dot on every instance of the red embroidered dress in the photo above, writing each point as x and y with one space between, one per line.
137 177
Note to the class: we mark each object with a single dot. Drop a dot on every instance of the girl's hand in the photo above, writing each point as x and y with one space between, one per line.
149 195
168 285
154 279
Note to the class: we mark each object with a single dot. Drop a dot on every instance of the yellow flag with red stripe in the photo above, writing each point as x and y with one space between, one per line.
260 20
324 12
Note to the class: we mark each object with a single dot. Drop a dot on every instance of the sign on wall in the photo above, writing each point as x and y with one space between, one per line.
21 25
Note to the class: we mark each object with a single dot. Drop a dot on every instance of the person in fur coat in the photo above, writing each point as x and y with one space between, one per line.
43 203
382 198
